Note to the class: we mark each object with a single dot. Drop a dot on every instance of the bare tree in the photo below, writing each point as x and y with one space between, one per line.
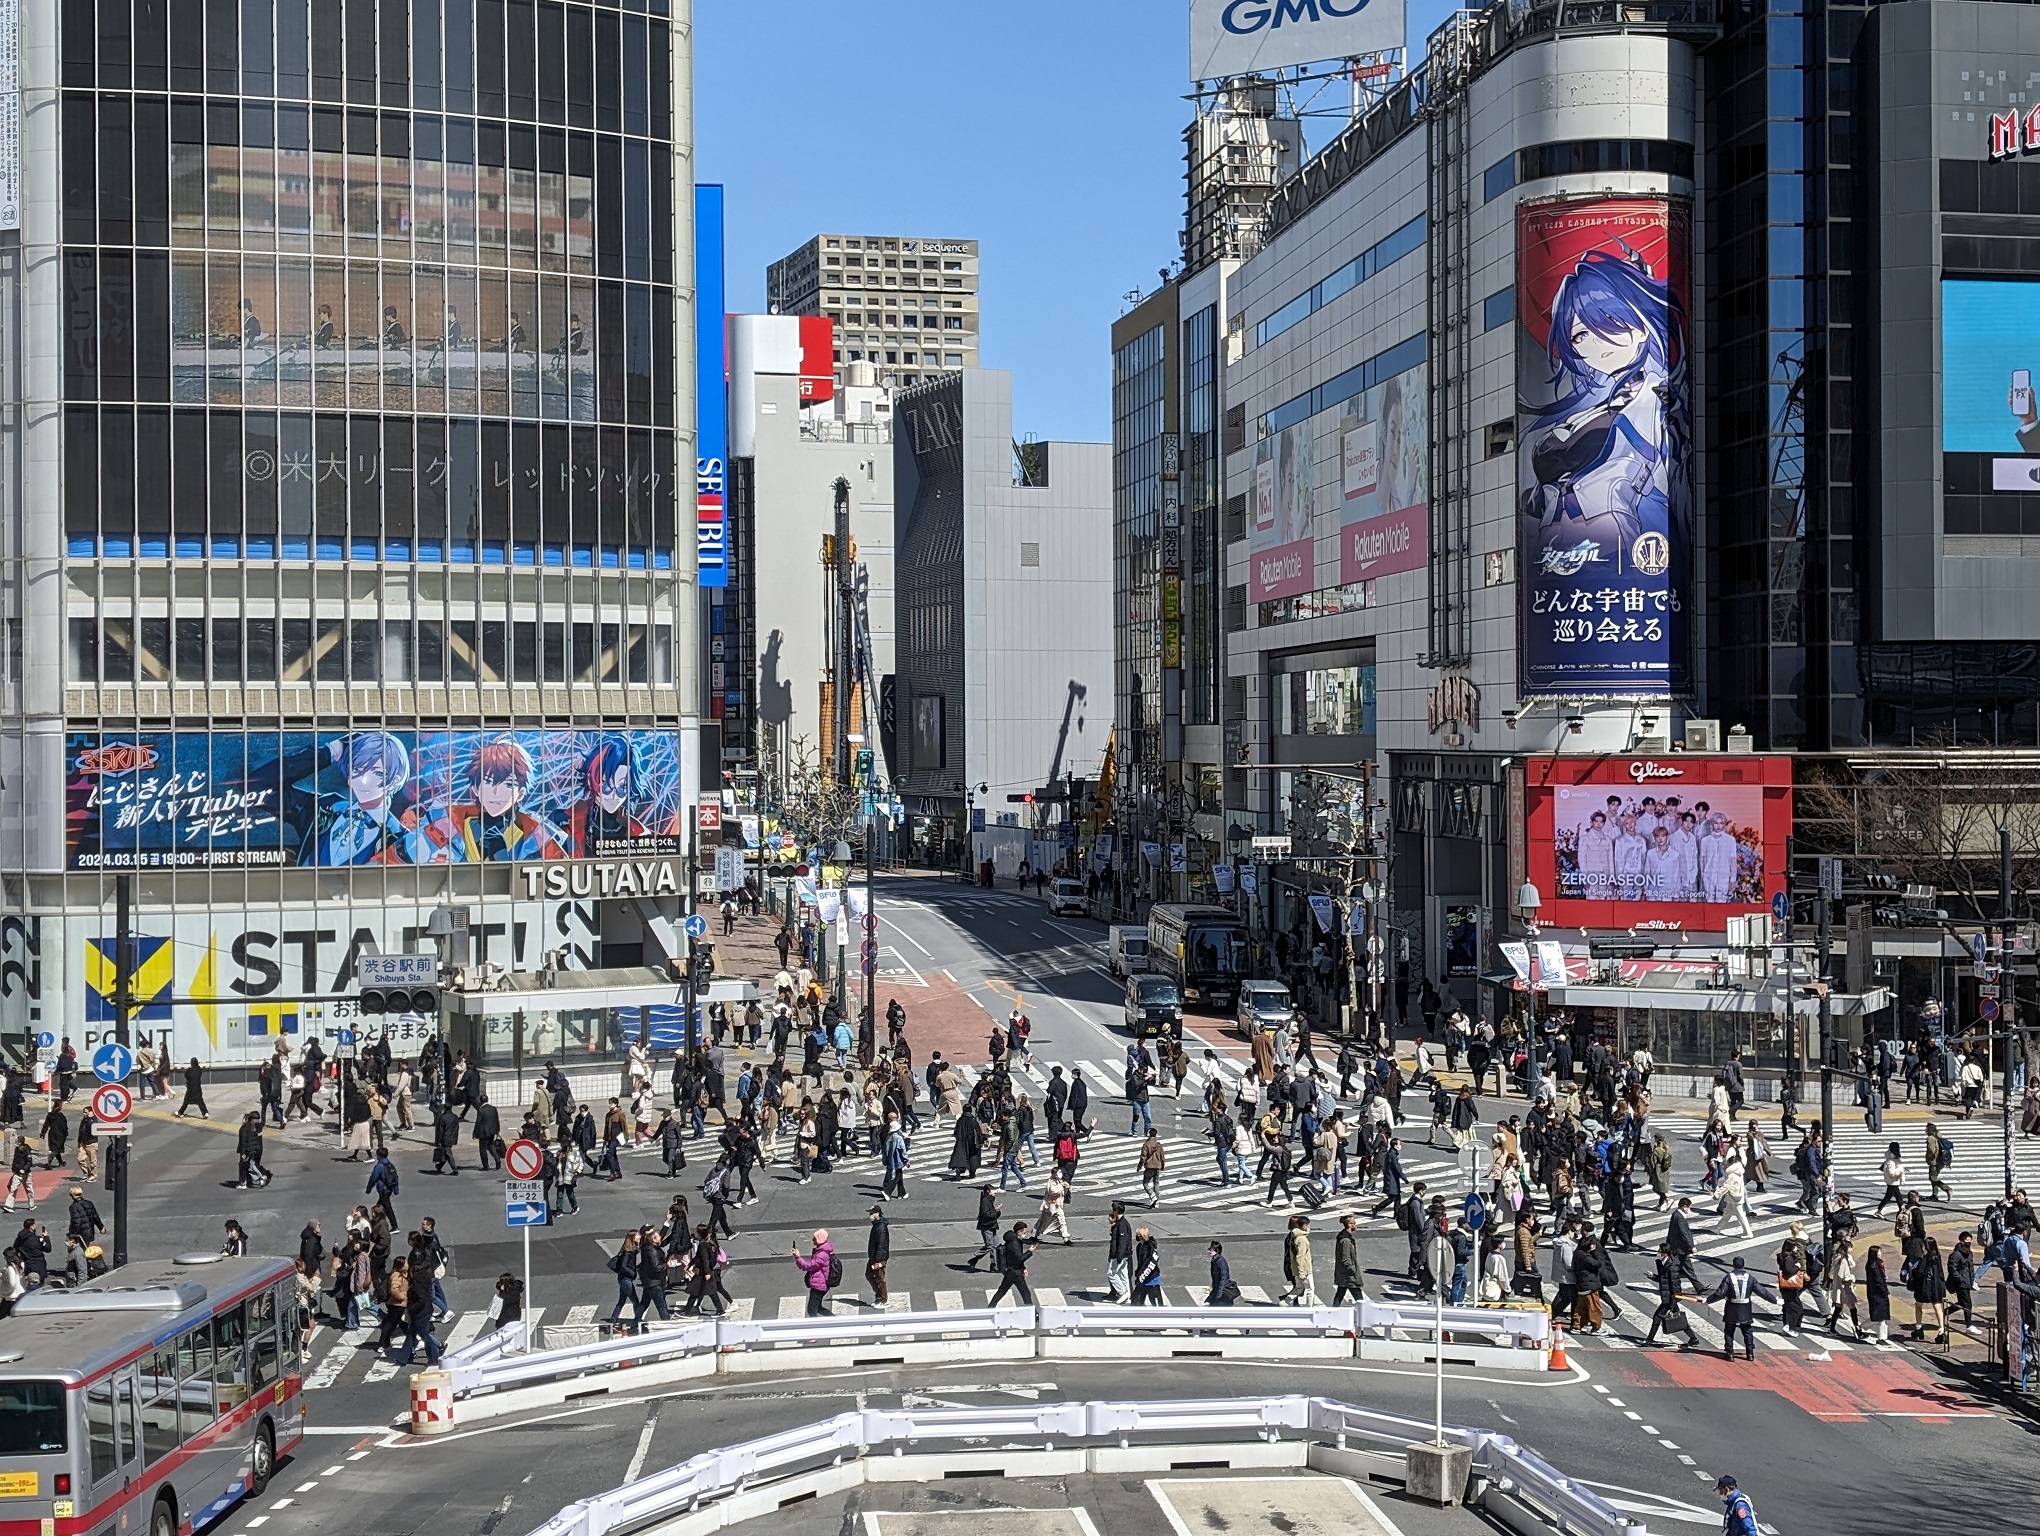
1931 818
815 807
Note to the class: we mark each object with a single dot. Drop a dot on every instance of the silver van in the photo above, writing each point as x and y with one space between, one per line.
1126 949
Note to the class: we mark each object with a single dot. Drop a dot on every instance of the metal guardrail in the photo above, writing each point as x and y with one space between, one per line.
476 1371
702 1480
509 1339
500 1368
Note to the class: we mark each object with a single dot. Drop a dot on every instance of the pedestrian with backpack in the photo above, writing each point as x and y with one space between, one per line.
822 1271
716 1190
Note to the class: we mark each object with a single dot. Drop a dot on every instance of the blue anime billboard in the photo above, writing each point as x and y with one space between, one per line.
304 799
1604 447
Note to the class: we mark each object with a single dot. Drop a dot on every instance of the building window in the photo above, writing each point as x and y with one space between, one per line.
952 266
1498 308
1498 178
953 359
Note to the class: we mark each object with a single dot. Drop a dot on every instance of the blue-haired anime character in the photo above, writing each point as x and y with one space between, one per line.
1608 455
602 821
362 812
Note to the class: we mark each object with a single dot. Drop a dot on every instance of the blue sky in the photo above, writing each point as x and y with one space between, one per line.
1049 131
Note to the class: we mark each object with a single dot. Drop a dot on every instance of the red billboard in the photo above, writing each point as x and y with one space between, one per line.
817 359
1687 840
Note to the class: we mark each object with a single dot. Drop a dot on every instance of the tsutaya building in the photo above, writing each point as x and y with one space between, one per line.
347 600
1540 482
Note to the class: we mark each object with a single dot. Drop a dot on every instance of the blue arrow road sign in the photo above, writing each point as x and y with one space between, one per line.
524 1213
46 1040
344 1036
1781 908
697 926
112 1062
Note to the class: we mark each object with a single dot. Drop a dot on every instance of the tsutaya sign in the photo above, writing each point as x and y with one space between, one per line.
596 877
2010 133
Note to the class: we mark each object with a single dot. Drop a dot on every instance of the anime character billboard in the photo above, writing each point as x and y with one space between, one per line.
168 800
1604 446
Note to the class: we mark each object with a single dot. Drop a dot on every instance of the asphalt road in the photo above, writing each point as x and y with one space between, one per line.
1860 1440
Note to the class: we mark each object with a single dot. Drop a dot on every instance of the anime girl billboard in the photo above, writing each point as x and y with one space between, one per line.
1604 447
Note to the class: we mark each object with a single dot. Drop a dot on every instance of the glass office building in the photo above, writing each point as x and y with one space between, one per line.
355 411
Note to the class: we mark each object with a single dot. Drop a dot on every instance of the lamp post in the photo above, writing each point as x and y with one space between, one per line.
1528 904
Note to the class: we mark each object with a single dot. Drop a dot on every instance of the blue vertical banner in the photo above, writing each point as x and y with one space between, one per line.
712 411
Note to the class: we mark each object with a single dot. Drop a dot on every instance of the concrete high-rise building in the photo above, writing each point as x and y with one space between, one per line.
347 545
780 645
1003 628
907 306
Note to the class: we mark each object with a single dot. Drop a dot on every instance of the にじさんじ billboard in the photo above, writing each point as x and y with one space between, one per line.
1604 447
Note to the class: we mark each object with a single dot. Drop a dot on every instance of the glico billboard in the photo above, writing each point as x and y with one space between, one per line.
1687 840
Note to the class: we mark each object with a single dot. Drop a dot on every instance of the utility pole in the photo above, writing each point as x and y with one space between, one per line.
840 611
1827 1077
2008 992
123 998
692 1030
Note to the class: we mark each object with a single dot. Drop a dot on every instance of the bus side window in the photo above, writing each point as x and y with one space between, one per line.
124 1419
99 1430
230 1366
158 1388
262 1358
194 1378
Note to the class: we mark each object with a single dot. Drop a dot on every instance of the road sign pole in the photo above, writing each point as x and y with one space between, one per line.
527 1283
117 1151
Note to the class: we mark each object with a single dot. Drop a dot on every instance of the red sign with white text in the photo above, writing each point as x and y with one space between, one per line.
1689 839
817 359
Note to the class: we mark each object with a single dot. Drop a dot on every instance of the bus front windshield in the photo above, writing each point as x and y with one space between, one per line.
1215 951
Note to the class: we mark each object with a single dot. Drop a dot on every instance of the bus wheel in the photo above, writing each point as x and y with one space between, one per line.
163 1519
262 1460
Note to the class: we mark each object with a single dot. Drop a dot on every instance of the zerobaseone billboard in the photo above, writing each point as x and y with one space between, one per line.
1604 447
1245 37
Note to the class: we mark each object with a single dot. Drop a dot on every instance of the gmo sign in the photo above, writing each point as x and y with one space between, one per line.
1239 37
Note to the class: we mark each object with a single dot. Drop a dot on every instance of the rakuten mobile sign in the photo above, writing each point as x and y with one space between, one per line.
1244 37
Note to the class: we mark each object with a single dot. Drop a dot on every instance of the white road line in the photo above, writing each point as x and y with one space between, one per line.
644 1446
792 1306
580 1317
949 1301
465 1329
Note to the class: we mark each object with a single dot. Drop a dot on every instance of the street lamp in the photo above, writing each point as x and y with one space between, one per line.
1528 903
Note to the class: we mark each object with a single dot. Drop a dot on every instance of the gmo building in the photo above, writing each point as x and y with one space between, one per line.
345 520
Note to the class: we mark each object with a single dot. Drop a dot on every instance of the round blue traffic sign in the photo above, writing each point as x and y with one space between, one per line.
697 926
112 1062
46 1040
1781 908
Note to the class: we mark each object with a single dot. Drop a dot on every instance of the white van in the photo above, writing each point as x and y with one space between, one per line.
1126 949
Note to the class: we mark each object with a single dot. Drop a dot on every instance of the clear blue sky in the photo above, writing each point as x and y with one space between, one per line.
1049 131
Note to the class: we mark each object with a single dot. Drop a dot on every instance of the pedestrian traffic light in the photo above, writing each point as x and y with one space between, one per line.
399 1000
704 969
1873 1115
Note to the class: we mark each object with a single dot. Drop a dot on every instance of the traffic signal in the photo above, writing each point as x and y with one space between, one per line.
704 969
1873 1114
1020 799
399 1000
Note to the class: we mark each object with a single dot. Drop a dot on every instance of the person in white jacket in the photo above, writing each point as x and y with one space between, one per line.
1733 1213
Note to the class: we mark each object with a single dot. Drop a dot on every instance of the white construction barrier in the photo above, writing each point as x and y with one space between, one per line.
721 1488
489 1382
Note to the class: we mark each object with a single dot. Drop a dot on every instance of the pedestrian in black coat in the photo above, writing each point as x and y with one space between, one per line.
445 1137
488 1133
194 1091
672 1145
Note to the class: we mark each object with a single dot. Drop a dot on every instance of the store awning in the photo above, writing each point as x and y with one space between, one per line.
1719 1000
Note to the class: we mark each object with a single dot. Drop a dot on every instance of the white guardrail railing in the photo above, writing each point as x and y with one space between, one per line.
1517 1485
496 1365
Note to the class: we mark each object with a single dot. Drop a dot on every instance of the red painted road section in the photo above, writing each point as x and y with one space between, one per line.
1847 1389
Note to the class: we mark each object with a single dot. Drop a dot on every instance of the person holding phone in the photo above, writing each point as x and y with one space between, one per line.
2020 398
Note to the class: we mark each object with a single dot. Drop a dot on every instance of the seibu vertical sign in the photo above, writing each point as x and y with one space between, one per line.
712 414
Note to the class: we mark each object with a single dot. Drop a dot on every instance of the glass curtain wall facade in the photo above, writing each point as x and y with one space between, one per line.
1139 392
1781 381
1204 587
380 289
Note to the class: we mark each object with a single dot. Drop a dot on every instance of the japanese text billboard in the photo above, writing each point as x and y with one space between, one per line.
1279 546
1684 841
1604 446
1384 480
187 800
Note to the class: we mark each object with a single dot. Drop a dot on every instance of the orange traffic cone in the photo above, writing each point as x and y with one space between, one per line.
1558 1360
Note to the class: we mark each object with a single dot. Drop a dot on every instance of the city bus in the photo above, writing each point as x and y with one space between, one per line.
1202 949
150 1399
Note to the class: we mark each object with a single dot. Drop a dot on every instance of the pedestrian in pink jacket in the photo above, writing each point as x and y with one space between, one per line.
821 1272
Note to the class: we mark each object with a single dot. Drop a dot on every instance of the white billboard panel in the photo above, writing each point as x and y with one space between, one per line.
1245 37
